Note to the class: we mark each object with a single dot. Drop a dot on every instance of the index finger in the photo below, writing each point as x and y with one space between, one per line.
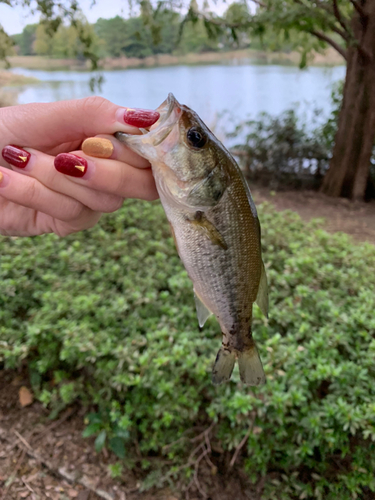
39 125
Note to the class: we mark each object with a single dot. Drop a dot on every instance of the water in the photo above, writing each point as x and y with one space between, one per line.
243 90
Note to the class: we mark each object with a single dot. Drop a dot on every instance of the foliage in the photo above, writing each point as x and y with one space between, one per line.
25 40
53 15
158 31
107 317
117 37
65 43
282 149
285 150
124 37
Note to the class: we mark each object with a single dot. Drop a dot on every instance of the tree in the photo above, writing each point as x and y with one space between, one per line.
349 27
53 14
25 40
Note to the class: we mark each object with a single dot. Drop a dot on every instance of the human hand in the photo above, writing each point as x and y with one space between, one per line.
35 198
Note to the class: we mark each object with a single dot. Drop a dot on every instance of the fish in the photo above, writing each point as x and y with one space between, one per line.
215 227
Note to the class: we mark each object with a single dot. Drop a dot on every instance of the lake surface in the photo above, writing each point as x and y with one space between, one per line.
242 90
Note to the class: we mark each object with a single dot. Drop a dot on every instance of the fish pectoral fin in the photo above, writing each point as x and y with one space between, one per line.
174 237
250 366
203 312
202 224
262 296
223 366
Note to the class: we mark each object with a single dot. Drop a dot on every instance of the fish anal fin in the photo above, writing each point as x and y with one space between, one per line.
250 366
202 224
203 312
223 366
262 296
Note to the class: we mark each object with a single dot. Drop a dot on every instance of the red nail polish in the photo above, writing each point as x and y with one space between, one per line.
16 156
69 164
140 118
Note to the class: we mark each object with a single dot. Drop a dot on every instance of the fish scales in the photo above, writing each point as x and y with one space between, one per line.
215 228
229 279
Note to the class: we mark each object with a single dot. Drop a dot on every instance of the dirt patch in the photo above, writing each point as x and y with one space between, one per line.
44 459
354 218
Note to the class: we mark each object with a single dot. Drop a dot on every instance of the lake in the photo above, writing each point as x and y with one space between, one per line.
242 90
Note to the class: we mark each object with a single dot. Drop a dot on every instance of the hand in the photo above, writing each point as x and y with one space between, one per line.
35 198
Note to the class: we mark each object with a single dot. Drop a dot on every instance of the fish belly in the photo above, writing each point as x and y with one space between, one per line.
225 279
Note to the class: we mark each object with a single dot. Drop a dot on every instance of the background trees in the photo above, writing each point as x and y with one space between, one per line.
349 27
346 25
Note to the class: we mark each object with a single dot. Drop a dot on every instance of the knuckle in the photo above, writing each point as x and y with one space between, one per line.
111 204
122 181
73 211
33 194
93 104
151 195
7 226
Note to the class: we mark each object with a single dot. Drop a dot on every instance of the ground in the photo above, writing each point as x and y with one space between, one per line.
44 459
356 219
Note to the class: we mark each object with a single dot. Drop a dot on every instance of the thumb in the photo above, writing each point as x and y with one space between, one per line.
45 125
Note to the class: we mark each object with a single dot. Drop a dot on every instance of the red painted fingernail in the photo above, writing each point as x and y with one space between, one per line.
141 118
16 156
69 164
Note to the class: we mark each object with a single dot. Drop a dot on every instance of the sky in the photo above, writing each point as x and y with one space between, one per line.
14 19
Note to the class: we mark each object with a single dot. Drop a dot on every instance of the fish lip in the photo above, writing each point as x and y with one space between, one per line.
159 131
165 109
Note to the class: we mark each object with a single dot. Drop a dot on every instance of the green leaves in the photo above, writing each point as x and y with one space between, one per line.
100 441
117 445
107 318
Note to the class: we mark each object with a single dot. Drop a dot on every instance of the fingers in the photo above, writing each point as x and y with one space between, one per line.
45 125
108 176
107 146
100 184
29 192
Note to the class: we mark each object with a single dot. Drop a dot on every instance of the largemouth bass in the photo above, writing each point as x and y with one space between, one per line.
215 227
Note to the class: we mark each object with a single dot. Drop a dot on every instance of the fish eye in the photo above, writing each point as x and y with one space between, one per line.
196 137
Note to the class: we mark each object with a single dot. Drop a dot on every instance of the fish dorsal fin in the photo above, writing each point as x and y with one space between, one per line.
262 296
202 311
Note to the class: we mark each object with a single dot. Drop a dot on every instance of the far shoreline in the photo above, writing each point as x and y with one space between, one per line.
237 57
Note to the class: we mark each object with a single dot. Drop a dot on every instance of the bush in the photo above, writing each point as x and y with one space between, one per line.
281 150
284 151
107 317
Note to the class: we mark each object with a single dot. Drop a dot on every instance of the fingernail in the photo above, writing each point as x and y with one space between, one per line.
98 147
4 179
16 156
70 164
140 118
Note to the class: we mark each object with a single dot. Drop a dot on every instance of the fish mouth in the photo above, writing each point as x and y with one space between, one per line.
170 112
165 109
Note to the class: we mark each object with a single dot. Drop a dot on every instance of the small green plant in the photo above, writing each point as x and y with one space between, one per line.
107 317
115 470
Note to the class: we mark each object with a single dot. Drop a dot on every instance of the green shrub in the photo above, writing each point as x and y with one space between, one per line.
107 317
283 149
286 150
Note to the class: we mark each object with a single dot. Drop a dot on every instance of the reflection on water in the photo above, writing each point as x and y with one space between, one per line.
209 90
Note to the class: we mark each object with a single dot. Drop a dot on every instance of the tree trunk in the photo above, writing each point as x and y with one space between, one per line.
350 165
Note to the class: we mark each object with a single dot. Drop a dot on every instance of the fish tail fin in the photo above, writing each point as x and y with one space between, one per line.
250 365
223 366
